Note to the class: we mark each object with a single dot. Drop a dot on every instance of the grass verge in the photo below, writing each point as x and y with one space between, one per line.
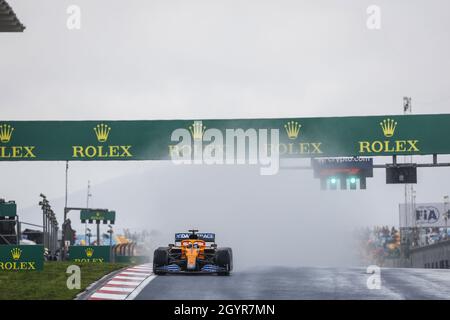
50 284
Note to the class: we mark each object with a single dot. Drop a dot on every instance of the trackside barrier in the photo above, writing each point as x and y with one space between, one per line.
21 258
132 259
126 253
119 249
90 254
132 249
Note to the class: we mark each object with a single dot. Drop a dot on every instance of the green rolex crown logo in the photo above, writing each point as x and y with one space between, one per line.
16 253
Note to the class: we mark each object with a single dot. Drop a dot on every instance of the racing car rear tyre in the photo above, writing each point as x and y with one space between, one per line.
224 259
160 259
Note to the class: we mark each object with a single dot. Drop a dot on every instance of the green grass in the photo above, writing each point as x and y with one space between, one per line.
50 284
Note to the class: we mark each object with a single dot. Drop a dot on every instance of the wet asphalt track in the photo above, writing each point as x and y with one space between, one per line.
302 283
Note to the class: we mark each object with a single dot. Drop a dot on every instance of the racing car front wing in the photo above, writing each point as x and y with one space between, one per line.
174 268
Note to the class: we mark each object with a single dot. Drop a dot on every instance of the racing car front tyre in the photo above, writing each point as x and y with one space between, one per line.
160 259
224 259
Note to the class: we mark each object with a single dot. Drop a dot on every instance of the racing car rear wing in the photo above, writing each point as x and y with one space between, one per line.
205 236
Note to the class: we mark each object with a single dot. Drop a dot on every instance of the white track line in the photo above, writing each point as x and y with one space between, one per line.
141 287
125 285
125 282
109 296
123 274
139 274
117 289
130 278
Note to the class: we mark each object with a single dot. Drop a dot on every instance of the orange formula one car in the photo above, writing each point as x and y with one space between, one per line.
191 254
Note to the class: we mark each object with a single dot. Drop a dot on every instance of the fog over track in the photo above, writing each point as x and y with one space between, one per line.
224 60
302 283
268 220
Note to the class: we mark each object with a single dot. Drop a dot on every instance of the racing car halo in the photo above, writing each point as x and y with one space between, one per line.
191 254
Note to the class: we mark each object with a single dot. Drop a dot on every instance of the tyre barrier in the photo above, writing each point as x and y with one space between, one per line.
126 253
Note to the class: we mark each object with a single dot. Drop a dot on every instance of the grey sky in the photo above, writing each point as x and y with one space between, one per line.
222 59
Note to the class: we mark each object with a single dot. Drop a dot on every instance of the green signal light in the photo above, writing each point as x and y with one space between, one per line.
333 180
352 180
